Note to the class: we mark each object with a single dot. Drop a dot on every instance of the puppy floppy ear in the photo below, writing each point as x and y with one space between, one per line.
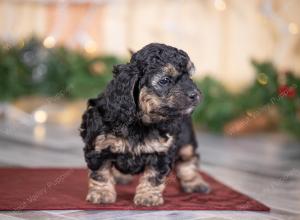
121 93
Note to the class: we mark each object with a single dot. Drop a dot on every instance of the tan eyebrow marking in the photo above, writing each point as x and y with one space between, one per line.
170 70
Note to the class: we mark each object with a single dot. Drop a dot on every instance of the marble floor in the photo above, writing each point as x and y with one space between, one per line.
264 166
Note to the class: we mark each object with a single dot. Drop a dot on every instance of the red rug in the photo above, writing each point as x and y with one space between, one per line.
58 189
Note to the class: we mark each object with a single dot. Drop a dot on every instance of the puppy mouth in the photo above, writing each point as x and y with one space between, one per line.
191 106
169 112
188 111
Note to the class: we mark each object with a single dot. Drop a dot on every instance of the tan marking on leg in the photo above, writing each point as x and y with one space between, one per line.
120 177
147 192
102 189
190 178
186 152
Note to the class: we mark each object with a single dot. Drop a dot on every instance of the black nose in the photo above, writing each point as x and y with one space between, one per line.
193 95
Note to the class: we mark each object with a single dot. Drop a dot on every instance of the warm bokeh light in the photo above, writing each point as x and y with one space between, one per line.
39 133
293 28
49 42
40 116
90 47
262 79
220 5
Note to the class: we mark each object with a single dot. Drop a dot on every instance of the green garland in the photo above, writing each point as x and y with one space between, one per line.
35 70
31 69
289 107
220 106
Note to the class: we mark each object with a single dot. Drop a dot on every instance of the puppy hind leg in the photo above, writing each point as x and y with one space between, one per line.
121 178
187 171
101 186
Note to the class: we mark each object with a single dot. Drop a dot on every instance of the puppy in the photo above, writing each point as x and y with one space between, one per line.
141 123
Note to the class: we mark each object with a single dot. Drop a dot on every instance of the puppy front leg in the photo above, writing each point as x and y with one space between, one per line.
150 189
187 171
101 186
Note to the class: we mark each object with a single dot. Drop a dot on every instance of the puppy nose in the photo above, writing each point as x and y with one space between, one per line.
193 95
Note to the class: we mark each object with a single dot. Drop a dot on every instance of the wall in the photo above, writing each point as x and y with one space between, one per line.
220 36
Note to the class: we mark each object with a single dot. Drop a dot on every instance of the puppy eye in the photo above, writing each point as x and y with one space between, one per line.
165 81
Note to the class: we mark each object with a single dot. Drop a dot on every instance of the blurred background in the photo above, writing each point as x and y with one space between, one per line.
54 54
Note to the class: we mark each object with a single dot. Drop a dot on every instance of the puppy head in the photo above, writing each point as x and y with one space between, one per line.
166 90
154 86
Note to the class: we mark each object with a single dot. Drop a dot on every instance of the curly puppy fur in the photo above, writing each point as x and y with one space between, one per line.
141 124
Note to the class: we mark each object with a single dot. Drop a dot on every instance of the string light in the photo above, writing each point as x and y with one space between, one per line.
40 116
49 42
262 79
90 47
293 28
220 5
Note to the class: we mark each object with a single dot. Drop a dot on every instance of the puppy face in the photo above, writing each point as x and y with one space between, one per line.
169 91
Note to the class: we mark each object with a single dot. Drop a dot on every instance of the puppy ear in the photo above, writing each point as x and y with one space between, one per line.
122 91
131 52
191 68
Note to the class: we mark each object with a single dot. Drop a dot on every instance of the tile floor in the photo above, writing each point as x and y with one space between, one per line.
264 166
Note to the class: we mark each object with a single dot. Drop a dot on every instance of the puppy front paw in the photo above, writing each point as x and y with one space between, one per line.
103 196
197 184
148 199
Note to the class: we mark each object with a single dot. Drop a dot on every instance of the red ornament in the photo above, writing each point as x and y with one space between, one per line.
286 91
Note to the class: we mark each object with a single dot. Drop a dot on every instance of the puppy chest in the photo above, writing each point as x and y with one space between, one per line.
120 145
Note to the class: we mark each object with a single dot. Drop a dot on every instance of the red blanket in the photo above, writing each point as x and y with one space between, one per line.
57 189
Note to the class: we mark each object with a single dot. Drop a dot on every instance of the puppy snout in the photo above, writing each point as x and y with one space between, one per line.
193 95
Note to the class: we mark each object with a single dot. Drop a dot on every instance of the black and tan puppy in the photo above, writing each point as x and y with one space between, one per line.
141 124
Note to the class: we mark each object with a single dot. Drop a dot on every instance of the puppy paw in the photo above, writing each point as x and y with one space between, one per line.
148 199
103 196
196 185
